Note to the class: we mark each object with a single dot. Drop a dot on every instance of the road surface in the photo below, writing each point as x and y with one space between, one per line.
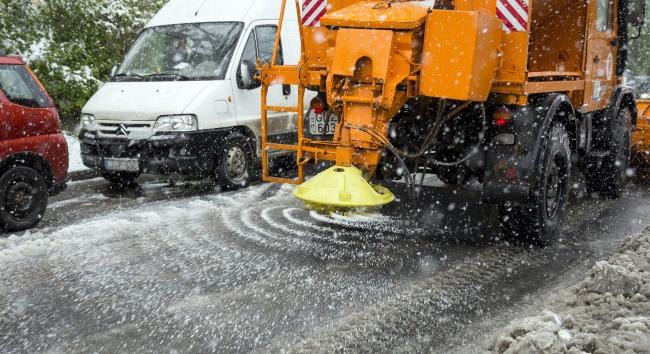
182 268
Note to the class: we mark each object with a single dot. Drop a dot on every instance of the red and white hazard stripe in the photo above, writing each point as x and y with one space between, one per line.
514 14
312 11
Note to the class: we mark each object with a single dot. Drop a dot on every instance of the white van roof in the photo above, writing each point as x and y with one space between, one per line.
192 11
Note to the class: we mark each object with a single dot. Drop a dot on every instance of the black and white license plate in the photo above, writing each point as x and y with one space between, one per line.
320 125
128 165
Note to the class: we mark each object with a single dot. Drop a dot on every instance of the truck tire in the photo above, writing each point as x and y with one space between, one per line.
233 169
454 176
610 176
23 198
121 179
538 221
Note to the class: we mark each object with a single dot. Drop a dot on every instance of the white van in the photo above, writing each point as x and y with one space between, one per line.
184 100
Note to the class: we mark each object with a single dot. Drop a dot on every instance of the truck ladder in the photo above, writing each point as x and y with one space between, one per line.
272 74
267 146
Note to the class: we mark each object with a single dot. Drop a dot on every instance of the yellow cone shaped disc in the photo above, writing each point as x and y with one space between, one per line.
342 187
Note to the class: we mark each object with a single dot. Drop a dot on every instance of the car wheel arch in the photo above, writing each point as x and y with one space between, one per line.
28 159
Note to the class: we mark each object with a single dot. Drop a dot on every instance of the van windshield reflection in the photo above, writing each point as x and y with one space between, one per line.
182 52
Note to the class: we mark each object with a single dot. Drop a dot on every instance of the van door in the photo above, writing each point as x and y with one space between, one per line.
601 54
259 46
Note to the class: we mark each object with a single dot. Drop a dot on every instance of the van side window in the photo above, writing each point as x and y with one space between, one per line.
604 15
250 50
265 41
259 46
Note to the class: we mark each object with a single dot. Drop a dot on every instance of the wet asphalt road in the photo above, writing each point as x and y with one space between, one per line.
182 268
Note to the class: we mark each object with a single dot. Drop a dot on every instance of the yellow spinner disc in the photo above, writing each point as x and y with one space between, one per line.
342 187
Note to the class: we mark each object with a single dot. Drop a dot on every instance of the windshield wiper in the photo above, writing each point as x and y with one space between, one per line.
165 74
128 75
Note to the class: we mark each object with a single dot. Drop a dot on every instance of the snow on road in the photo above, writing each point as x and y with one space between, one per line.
180 268
213 271
607 312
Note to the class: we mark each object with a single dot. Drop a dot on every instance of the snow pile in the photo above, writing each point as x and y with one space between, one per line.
608 312
74 153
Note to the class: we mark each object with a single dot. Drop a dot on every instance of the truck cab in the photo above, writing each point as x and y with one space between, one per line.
185 99
33 151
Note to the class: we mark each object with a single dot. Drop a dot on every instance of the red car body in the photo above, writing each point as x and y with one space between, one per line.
30 130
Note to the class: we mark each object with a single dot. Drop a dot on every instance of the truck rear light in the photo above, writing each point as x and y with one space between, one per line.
511 173
501 116
317 105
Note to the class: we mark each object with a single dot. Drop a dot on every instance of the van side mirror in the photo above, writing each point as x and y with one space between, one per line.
114 70
247 72
636 12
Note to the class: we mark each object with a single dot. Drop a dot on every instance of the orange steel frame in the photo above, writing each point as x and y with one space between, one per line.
513 84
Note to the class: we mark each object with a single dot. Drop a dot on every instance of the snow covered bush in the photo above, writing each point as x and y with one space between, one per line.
72 44
639 52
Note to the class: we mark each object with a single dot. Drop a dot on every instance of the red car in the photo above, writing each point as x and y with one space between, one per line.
33 151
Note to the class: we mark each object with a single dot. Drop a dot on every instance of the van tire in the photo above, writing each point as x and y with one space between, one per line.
234 162
538 221
121 179
609 178
16 212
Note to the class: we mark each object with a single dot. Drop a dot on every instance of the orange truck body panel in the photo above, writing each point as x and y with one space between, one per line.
641 137
460 55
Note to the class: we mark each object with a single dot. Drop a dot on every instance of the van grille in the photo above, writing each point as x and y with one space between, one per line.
137 131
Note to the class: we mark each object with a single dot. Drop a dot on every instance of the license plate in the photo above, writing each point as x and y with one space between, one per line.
319 124
129 165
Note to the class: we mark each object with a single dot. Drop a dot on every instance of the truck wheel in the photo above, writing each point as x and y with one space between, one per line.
539 221
452 176
610 176
234 163
121 179
23 198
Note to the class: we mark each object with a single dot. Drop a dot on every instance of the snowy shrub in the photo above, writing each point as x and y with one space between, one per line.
639 52
72 44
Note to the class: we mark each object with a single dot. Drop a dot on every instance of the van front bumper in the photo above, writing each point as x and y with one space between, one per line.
191 153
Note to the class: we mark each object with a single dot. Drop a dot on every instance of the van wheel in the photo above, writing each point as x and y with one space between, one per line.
610 177
121 179
234 163
23 198
539 221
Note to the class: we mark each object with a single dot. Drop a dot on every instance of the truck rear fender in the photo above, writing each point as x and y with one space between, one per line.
530 125
604 121
624 97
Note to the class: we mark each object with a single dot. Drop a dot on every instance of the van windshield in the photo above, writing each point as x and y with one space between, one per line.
193 51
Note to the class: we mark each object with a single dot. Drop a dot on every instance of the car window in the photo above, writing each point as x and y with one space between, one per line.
250 51
259 46
265 42
19 87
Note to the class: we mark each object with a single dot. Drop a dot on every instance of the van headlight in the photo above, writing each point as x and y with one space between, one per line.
88 122
179 123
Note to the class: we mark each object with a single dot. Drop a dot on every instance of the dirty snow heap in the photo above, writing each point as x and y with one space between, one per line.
608 312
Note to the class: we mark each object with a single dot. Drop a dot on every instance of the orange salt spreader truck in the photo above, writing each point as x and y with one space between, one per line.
519 94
